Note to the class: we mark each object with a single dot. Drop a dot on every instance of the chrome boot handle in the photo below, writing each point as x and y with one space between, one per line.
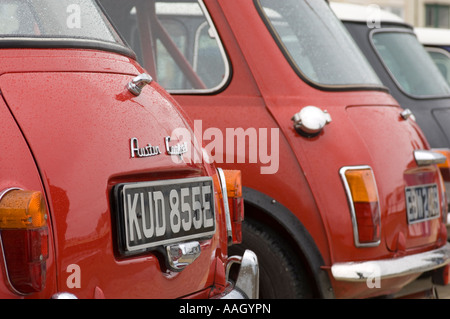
425 158
136 85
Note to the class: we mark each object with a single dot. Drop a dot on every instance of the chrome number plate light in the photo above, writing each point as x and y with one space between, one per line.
151 215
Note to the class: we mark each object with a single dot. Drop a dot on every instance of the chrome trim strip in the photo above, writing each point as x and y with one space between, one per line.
425 158
223 185
351 204
393 267
3 192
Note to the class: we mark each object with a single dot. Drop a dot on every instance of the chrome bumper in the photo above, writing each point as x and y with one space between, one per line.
246 284
389 268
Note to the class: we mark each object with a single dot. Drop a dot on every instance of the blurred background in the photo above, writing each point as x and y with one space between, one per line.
419 13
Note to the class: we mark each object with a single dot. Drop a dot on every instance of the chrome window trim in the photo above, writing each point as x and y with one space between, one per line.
351 205
437 50
225 59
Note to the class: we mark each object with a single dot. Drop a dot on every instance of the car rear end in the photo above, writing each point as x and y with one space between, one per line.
404 66
100 196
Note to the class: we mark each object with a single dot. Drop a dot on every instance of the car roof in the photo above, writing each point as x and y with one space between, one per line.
433 36
362 13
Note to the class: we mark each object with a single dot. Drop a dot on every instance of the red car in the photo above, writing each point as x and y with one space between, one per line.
342 195
99 198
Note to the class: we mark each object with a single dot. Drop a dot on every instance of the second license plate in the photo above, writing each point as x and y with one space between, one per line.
422 203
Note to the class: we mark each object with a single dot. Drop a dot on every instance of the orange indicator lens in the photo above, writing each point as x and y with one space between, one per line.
362 185
21 209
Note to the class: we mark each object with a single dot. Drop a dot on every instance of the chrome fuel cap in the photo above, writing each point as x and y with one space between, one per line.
311 120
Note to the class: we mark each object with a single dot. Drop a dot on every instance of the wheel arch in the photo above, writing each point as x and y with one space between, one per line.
265 209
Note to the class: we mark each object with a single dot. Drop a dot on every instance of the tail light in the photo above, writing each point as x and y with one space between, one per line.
24 239
231 184
445 172
362 195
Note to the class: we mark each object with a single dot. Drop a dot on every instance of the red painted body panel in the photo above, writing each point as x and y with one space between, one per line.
366 130
77 117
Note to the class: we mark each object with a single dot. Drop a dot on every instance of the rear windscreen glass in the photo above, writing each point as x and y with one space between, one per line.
316 43
41 20
409 64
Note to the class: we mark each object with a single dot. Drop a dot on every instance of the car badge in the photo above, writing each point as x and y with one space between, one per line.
146 151
178 149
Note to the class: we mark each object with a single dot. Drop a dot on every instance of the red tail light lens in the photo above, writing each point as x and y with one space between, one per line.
24 239
445 172
364 205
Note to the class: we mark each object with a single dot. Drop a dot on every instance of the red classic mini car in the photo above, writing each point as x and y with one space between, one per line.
405 67
99 198
342 195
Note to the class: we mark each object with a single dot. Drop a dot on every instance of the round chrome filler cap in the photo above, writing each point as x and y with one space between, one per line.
311 120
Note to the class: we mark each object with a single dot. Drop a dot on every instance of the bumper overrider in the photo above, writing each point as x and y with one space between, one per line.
390 268
246 283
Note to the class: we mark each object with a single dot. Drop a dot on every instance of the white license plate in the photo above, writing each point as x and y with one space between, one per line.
153 214
422 203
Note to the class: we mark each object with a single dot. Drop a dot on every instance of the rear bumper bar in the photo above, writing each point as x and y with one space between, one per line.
395 267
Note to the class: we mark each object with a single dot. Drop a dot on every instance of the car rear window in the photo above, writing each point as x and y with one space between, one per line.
442 59
51 22
409 64
316 43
